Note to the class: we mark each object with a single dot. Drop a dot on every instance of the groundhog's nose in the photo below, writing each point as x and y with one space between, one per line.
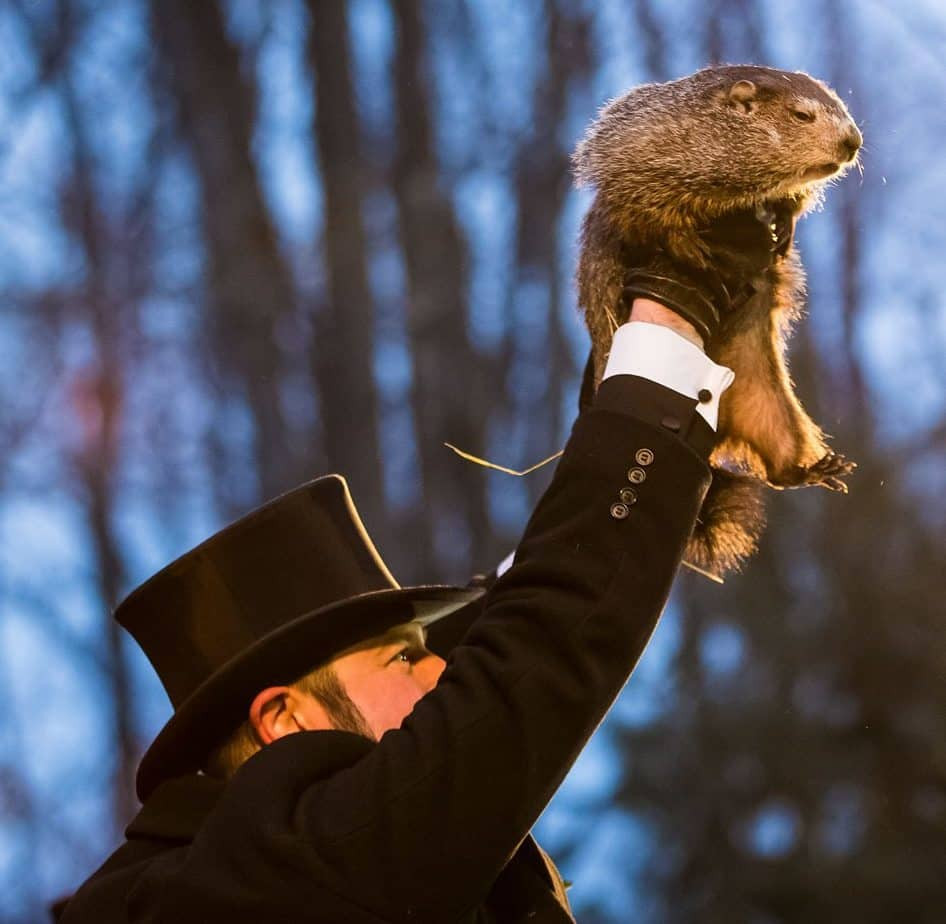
851 142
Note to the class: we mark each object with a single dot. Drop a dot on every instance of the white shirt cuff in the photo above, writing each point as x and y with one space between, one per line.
658 353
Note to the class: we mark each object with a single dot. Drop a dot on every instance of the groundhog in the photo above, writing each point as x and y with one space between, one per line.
665 161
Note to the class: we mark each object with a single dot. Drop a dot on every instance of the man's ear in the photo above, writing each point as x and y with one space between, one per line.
280 711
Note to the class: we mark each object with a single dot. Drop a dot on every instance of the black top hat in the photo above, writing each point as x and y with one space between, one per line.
262 602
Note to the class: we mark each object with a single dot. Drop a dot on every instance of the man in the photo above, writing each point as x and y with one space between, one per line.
350 773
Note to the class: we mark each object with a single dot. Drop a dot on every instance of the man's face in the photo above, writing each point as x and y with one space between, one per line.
387 675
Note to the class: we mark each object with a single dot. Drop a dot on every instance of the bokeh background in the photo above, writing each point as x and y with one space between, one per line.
246 242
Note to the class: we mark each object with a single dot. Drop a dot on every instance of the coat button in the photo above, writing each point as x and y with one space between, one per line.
636 475
619 511
644 456
628 496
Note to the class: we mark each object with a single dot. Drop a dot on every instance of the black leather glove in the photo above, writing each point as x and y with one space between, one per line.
698 296
743 245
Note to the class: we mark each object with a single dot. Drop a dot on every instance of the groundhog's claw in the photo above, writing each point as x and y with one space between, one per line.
826 472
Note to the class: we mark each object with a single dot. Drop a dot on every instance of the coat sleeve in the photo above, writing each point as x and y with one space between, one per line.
420 826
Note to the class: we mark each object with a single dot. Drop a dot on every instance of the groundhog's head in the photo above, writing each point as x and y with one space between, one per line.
722 138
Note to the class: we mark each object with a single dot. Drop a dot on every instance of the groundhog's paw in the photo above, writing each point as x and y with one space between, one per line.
829 471
826 472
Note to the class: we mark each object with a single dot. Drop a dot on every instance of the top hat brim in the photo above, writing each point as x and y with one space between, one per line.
221 703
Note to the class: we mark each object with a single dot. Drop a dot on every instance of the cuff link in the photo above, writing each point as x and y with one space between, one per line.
704 395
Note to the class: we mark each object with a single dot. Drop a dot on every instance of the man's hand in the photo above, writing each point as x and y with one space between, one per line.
645 309
743 246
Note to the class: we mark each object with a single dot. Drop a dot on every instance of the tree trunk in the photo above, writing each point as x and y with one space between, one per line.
343 351
249 289
542 183
98 400
448 384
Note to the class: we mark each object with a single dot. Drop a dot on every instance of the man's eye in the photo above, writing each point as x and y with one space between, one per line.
410 654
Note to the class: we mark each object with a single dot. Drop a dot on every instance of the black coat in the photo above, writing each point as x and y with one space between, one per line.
431 823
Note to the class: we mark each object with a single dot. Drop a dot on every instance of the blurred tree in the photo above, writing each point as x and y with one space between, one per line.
342 350
448 383
733 31
249 290
103 292
96 397
542 361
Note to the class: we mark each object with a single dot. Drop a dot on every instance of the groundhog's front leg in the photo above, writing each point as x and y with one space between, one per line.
762 424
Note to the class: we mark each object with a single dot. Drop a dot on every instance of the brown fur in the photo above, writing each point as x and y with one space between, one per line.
667 159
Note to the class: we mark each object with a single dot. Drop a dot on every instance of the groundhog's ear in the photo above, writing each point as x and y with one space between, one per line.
742 93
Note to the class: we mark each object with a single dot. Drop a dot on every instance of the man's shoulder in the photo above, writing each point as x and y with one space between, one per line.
102 898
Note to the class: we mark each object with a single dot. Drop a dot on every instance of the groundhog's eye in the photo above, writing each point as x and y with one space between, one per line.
803 115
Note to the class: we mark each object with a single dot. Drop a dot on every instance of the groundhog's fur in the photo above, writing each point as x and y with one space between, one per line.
665 160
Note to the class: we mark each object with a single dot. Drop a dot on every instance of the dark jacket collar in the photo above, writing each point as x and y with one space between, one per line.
177 808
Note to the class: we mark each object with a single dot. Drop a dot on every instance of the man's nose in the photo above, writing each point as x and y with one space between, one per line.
430 669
